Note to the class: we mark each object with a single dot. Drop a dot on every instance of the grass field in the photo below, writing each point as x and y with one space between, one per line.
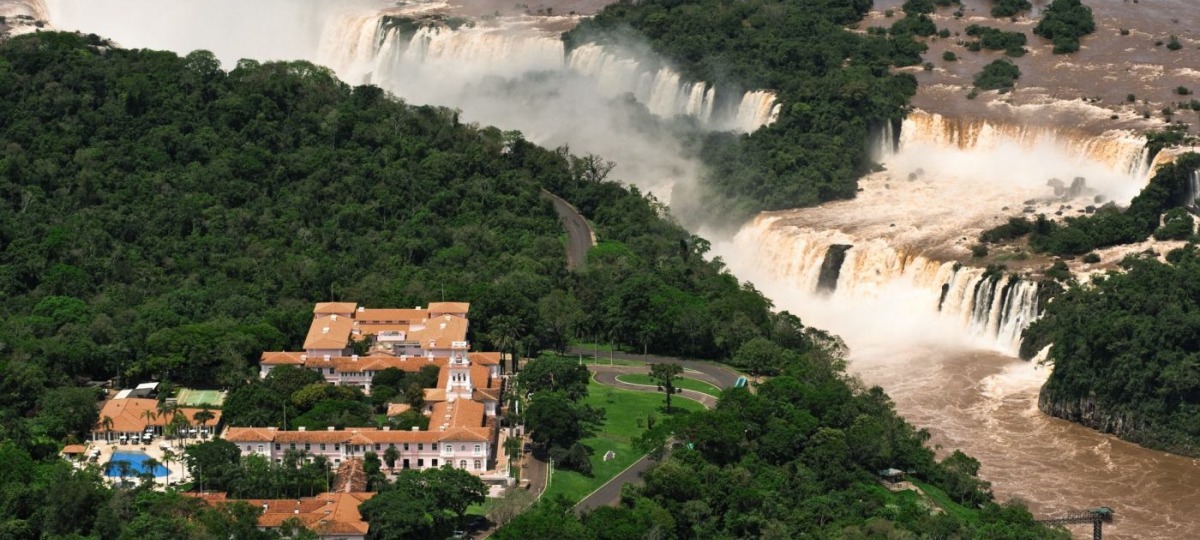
187 397
625 420
681 382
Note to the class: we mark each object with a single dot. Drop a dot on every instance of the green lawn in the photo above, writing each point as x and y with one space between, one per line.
624 409
681 382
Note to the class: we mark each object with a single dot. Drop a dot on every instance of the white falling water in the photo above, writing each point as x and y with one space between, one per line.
666 94
909 268
1120 151
993 308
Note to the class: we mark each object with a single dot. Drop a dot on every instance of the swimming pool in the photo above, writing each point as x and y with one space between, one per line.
137 465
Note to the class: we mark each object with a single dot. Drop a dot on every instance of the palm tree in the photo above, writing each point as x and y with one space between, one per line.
178 424
168 457
150 417
107 424
506 335
148 467
203 417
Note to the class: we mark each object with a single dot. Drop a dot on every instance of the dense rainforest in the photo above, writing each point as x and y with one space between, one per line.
1125 352
163 219
799 458
835 86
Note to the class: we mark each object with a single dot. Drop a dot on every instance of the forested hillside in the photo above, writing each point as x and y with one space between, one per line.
1125 352
834 84
797 459
164 219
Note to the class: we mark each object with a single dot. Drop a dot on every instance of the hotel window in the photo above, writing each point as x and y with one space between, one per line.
307 447
421 463
376 447
260 448
405 447
420 446
477 464
434 462
322 447
477 449
462 463
433 446
462 448
292 446
277 446
337 446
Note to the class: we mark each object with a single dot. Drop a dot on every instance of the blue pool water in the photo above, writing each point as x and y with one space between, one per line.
136 461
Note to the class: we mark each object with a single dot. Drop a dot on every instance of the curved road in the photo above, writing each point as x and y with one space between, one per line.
580 237
609 494
721 376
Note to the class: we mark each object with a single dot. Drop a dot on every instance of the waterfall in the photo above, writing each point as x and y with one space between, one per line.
666 94
882 141
1193 190
31 8
991 306
1120 151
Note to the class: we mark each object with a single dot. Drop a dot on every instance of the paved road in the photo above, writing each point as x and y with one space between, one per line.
580 237
609 494
711 372
607 375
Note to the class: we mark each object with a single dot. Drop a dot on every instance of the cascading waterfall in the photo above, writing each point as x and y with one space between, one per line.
1120 151
990 305
666 94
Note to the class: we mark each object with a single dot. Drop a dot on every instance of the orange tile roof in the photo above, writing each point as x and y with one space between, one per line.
74 449
327 308
397 409
484 358
129 415
460 413
486 394
439 333
480 434
282 358
449 307
324 514
407 316
329 332
433 395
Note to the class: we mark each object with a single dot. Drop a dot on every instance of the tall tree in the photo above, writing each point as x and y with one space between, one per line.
505 334
665 375
559 314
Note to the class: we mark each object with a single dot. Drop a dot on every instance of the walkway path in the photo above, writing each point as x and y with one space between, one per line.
580 237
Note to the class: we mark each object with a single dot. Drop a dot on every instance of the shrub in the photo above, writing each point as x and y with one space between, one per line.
1091 258
1065 21
1130 98
998 75
1008 8
927 66
979 250
949 56
1174 44
1183 91
1124 31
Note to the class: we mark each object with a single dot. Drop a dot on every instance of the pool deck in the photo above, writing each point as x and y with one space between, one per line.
177 473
